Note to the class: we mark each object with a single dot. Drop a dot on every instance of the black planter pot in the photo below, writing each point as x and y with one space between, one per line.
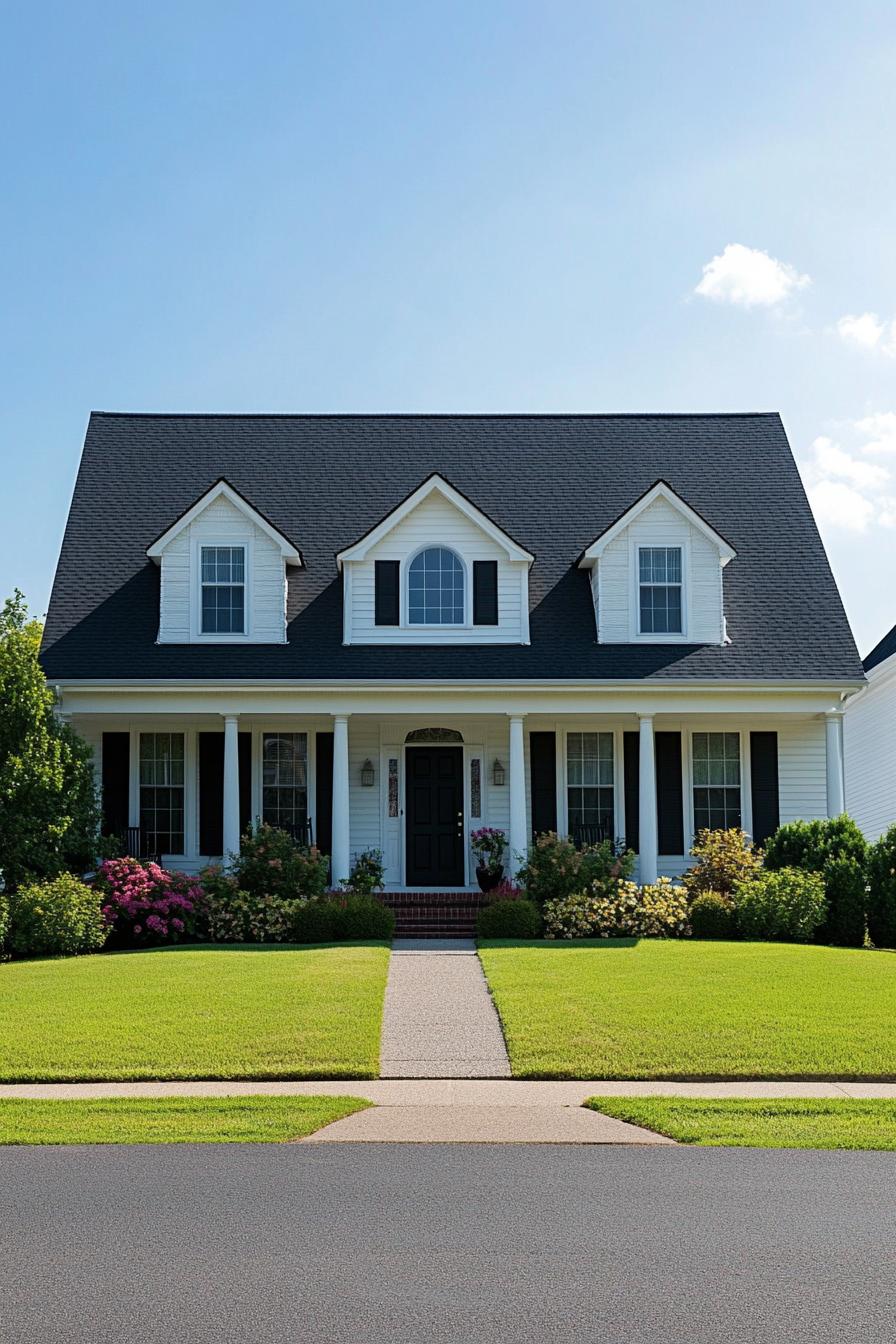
489 878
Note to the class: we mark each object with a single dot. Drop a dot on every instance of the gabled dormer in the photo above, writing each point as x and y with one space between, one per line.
223 578
656 574
435 570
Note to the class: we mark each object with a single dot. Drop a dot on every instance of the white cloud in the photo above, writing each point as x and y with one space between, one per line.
839 505
749 277
869 332
865 330
829 459
847 491
878 431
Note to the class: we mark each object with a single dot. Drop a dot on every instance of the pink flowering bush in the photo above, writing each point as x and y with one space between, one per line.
144 904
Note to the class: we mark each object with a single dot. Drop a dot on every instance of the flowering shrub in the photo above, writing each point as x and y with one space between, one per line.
785 904
555 869
144 904
505 891
626 911
242 917
58 918
4 922
366 875
488 844
724 858
270 863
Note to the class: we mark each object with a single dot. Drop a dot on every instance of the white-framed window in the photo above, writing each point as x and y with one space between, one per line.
436 588
284 781
222 590
162 792
589 783
715 760
660 592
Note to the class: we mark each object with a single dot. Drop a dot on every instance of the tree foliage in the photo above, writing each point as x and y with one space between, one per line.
48 805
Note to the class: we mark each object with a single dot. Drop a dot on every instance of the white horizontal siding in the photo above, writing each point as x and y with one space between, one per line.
802 770
222 523
436 522
660 525
364 803
869 733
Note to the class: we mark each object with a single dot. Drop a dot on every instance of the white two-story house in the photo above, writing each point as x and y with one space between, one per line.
388 631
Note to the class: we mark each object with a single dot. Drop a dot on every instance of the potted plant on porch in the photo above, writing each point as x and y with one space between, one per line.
488 845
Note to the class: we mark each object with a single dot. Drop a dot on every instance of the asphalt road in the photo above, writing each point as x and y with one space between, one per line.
423 1243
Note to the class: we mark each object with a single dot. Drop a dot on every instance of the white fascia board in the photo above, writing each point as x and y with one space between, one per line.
433 484
659 491
222 490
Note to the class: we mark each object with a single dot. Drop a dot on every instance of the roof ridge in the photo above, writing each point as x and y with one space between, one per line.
438 415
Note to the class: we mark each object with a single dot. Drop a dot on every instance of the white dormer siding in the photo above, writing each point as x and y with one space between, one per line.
435 516
222 523
436 522
659 520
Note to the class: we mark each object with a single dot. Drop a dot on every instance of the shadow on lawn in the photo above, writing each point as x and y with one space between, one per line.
238 947
562 944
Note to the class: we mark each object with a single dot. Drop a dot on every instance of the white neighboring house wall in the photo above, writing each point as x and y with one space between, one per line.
869 739
222 518
439 518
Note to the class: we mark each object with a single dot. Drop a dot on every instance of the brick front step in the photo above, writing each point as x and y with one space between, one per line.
434 914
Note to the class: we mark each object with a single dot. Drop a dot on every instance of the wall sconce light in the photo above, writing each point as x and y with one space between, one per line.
498 774
367 774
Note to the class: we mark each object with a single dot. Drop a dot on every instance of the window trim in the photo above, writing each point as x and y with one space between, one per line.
647 546
637 545
579 731
190 768
200 543
266 731
207 583
746 818
404 586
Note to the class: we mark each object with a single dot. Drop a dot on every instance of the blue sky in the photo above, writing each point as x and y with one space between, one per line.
464 206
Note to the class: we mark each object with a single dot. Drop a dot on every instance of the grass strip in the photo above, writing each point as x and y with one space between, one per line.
275 1011
624 1008
171 1119
769 1123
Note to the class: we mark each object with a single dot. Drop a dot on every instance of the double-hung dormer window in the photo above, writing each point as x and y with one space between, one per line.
223 583
660 607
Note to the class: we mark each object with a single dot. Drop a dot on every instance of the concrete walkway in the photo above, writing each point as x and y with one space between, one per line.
439 1020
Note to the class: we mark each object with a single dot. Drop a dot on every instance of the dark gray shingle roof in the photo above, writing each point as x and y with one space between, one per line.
554 482
885 648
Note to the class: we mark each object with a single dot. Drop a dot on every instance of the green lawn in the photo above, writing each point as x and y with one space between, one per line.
171 1119
657 1009
760 1124
195 1012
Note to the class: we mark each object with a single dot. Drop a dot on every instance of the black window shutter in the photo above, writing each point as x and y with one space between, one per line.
116 772
485 592
211 794
631 788
764 785
385 574
245 758
669 795
323 822
543 771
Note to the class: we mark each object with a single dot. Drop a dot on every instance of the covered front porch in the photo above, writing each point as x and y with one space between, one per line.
415 782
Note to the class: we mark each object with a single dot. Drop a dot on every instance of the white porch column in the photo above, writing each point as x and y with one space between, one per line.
517 777
231 786
647 830
833 732
340 855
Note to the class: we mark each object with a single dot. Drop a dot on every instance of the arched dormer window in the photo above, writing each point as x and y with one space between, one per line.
436 588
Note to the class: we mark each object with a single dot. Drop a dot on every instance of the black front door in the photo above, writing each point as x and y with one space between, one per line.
435 817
